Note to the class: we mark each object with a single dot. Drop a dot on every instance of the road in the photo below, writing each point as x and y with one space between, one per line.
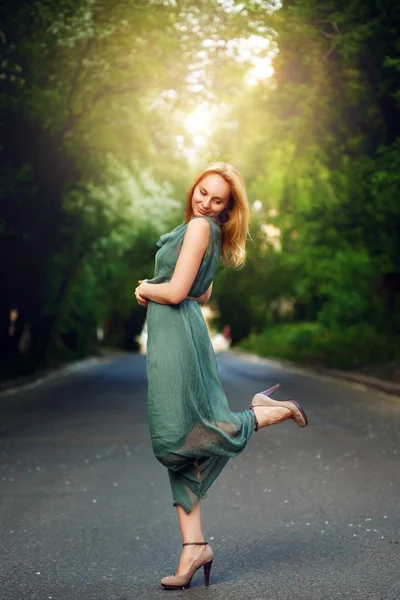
302 514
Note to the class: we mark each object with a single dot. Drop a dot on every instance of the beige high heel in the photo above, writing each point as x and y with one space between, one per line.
297 412
182 582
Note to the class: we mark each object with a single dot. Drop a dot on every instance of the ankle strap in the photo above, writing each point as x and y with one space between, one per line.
195 544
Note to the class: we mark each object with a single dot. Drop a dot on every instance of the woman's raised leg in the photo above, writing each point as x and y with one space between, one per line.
271 415
269 412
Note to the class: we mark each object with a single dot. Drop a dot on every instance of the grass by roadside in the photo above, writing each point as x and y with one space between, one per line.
359 348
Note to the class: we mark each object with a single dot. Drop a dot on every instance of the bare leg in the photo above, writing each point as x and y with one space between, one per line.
191 531
190 524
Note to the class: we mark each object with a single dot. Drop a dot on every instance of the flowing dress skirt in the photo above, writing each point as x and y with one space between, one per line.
193 430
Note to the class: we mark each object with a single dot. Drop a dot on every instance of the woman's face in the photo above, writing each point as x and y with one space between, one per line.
210 196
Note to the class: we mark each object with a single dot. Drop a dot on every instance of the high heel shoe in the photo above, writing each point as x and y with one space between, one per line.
298 415
182 582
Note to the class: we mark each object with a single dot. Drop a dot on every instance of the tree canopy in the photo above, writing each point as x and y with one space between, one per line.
107 109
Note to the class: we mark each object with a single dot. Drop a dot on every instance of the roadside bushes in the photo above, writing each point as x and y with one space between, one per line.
311 343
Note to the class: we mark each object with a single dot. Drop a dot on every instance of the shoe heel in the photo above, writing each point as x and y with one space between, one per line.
207 569
271 390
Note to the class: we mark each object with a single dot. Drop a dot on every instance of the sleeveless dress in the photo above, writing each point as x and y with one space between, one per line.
189 416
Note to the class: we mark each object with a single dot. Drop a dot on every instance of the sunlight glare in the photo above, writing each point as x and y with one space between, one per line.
198 121
262 70
257 52
257 205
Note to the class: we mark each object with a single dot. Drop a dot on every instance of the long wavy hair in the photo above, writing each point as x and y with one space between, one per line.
234 219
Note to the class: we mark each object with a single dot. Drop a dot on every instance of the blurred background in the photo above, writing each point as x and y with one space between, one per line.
107 111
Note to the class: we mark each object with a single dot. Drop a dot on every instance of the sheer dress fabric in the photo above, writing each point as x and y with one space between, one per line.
189 417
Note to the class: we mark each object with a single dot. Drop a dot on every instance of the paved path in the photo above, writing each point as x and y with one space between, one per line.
86 511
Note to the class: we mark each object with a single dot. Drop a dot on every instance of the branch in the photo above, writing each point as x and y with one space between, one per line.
327 54
329 35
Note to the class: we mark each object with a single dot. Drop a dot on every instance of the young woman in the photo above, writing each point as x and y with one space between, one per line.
193 430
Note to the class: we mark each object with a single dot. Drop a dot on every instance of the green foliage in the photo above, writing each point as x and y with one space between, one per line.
93 100
319 145
247 298
312 344
91 105
288 341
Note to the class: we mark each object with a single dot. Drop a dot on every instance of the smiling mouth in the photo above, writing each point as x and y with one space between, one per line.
202 211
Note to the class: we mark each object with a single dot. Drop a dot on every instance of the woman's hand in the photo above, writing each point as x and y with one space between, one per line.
141 299
200 299
193 248
204 298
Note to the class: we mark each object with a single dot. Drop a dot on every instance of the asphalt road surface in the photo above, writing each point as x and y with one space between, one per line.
86 510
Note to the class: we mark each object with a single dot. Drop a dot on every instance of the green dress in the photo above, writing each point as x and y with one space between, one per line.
189 415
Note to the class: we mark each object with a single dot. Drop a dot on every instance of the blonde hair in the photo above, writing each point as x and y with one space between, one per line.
235 225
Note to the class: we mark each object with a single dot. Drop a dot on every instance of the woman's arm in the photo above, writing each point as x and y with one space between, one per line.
203 299
193 248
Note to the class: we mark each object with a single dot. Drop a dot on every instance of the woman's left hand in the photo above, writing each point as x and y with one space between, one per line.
141 299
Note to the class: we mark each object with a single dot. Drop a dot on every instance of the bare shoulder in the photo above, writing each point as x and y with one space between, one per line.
198 231
199 225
